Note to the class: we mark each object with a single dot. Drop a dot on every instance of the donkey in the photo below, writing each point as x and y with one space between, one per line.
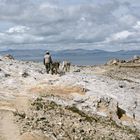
55 67
66 66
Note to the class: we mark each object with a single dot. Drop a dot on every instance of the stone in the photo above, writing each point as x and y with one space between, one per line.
78 70
9 57
25 74
113 62
7 75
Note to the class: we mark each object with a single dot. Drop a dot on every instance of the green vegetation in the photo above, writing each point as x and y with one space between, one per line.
41 104
82 114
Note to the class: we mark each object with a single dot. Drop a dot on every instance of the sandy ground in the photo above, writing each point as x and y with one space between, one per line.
8 130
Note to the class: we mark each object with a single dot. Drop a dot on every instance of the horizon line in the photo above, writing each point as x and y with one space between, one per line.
67 50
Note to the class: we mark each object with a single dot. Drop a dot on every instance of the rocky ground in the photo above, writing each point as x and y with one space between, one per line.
91 102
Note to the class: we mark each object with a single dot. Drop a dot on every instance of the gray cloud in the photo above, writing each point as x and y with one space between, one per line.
62 24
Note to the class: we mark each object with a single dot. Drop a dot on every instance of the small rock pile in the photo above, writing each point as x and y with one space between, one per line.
8 57
115 62
135 60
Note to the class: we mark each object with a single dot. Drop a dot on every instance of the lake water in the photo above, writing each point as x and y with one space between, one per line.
78 59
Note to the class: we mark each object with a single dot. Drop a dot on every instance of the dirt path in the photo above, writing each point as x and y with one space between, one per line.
8 129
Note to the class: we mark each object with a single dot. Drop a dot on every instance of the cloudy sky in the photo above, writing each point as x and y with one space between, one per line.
69 24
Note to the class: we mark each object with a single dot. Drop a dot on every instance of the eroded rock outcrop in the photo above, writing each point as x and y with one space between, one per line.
73 100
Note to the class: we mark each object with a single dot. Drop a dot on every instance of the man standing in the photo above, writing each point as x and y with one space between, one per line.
47 61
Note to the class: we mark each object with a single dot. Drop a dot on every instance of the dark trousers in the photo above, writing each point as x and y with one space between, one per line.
48 67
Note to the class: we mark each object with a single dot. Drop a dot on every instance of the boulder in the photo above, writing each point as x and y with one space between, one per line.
109 106
78 70
113 62
136 57
8 56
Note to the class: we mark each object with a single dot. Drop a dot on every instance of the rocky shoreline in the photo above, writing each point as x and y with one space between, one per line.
89 102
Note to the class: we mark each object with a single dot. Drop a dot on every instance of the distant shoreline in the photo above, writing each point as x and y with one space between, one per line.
76 57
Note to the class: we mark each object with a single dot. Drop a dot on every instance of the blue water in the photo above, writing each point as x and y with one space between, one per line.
78 58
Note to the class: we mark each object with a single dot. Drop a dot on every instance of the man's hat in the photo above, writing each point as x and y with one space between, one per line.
47 52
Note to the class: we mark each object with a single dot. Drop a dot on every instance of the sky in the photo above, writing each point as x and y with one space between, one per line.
110 25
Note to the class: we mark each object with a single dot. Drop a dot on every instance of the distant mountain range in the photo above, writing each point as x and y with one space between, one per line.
77 56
